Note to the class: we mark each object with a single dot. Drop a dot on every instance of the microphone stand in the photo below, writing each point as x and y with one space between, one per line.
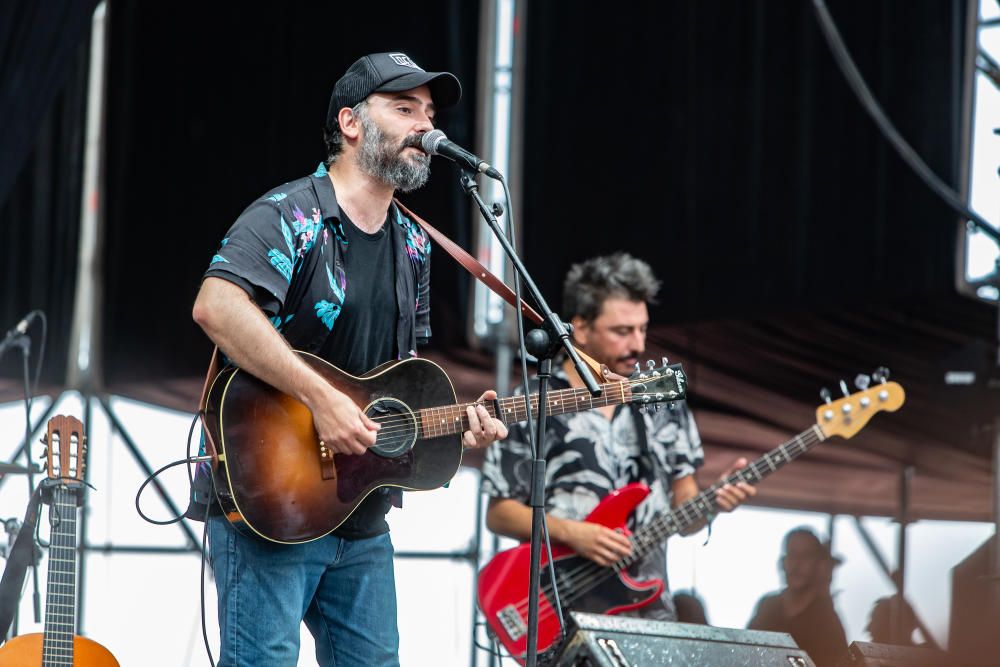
21 340
545 343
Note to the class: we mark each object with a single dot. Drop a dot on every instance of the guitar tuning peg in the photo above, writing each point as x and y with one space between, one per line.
881 374
664 361
638 367
650 364
843 388
862 382
642 408
824 393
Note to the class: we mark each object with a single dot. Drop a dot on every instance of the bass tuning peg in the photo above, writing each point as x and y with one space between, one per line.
881 374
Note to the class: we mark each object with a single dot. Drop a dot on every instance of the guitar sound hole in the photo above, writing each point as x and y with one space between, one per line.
399 427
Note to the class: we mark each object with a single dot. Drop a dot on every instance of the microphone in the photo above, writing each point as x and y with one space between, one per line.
436 143
19 329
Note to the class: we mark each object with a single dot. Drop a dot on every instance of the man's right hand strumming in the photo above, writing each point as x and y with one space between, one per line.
243 333
592 540
340 423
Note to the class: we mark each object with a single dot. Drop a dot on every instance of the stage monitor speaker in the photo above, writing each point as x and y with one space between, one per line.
867 654
617 641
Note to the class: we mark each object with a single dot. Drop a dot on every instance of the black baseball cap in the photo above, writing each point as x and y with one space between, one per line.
389 73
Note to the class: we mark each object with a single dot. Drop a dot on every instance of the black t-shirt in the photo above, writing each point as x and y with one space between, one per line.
365 338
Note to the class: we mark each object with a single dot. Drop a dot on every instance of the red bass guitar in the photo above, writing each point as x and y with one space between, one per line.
586 586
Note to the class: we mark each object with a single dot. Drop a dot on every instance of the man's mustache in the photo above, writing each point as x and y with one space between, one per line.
411 141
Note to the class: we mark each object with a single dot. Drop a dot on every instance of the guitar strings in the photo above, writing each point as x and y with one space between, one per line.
62 573
593 574
405 422
407 426
665 525
596 573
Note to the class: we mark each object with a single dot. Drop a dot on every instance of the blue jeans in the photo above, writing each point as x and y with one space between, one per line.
344 590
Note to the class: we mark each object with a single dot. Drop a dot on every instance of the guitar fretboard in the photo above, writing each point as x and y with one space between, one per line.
451 419
60 596
705 503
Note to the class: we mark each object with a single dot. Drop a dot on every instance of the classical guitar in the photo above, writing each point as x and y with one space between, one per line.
58 646
589 587
273 479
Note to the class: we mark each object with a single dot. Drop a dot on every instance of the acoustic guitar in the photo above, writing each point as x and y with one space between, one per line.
586 586
58 646
275 480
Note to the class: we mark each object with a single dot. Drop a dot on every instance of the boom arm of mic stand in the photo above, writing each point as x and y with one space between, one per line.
553 325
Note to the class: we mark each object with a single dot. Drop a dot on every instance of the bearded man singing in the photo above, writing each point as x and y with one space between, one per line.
329 265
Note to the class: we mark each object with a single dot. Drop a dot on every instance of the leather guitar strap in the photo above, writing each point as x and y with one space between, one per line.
483 275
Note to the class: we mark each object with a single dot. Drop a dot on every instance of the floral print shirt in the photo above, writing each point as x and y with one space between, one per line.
288 251
589 456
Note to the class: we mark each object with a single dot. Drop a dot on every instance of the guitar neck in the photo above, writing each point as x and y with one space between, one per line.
451 419
705 504
60 596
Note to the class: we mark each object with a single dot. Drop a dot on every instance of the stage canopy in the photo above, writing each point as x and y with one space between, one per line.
716 140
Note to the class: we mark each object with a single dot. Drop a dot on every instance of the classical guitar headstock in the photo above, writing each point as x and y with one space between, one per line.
657 384
848 415
66 449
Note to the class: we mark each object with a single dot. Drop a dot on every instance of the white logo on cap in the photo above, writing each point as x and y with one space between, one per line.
404 60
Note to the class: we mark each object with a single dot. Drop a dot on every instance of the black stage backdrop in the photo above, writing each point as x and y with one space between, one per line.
719 141
44 49
212 105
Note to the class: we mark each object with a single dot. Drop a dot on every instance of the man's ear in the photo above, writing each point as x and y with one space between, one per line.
581 330
350 125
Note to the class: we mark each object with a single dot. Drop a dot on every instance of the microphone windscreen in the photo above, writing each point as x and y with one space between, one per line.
430 141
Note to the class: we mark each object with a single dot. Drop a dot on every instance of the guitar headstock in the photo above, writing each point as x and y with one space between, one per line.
846 416
66 449
657 384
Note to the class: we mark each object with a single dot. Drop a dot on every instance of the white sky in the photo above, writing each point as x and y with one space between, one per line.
135 602
984 195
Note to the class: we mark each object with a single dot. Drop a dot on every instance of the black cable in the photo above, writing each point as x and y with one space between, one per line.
28 400
494 648
41 350
188 460
204 557
871 105
204 535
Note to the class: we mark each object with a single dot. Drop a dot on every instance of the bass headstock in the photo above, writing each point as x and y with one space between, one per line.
66 449
655 385
848 415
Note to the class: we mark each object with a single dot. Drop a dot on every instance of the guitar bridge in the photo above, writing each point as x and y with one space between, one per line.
327 469
512 622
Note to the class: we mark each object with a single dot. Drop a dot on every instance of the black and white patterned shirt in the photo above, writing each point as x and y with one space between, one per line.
589 456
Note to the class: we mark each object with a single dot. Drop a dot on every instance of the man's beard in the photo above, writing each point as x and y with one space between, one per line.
382 158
